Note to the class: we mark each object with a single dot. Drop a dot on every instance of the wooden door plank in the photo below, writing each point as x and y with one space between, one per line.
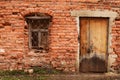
98 40
104 32
95 35
84 43
84 24
98 35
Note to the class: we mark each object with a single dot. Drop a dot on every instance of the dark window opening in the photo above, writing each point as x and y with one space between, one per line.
38 31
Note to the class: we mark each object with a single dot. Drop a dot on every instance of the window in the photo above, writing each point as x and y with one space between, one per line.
38 31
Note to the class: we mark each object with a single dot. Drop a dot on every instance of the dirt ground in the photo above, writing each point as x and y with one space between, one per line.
85 77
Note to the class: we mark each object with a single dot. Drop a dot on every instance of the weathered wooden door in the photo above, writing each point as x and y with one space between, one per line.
93 44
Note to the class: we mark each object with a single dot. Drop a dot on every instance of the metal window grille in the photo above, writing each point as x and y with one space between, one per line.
38 29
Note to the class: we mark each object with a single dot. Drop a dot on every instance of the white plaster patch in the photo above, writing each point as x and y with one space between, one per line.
32 59
63 63
112 58
2 50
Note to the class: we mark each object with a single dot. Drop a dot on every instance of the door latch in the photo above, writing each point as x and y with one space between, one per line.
88 50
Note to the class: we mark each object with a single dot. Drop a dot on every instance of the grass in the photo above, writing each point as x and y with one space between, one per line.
43 74
38 70
38 74
20 75
23 77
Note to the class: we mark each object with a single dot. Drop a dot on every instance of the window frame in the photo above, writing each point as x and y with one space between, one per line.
39 31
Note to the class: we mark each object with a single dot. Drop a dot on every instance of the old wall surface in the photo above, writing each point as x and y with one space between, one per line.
63 37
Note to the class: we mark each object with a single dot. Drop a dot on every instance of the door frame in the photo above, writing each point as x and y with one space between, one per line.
103 14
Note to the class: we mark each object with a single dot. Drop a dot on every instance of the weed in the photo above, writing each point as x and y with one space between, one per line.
14 72
23 77
39 70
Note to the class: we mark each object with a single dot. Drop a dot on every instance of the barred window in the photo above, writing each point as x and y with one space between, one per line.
38 31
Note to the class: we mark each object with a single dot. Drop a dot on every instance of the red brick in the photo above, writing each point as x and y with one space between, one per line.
63 31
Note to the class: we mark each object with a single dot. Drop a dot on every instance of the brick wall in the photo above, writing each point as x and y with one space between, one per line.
14 51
